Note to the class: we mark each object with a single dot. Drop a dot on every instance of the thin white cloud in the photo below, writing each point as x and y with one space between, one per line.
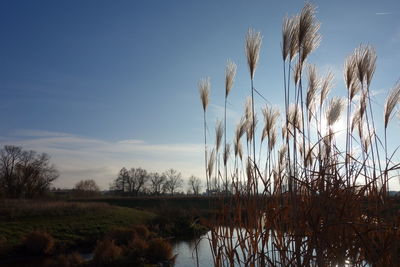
383 13
86 158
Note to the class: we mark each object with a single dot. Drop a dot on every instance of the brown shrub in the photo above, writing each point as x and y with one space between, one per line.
105 252
137 247
159 250
39 243
122 236
142 231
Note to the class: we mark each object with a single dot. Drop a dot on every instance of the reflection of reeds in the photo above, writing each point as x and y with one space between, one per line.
319 203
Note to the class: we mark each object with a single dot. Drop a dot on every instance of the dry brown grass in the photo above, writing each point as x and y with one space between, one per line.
39 243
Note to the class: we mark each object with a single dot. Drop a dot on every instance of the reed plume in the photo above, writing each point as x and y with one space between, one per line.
312 90
204 90
391 102
334 111
252 47
327 84
230 72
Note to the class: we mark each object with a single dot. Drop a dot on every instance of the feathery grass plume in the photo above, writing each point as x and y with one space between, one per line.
306 22
230 72
204 90
309 157
219 132
251 127
363 103
247 109
286 28
297 72
240 130
312 89
366 63
211 161
253 46
282 153
391 102
355 119
311 42
270 117
295 117
350 69
366 141
326 86
227 152
272 135
294 33
334 111
355 87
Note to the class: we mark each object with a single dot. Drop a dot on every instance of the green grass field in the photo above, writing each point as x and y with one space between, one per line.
70 223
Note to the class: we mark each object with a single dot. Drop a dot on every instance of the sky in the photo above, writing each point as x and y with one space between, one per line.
99 85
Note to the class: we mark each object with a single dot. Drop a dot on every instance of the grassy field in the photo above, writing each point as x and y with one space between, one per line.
70 223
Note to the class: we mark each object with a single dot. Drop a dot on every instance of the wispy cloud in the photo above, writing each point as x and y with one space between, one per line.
79 157
383 13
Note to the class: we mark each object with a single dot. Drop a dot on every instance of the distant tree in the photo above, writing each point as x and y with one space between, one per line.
137 179
194 184
156 183
86 188
25 173
173 181
120 183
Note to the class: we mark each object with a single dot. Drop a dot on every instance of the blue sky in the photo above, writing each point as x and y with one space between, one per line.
104 84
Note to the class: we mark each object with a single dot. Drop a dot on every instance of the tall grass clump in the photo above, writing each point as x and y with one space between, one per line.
308 199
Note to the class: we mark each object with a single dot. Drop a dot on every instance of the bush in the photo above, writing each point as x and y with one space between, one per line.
137 248
159 250
106 251
122 236
142 231
39 243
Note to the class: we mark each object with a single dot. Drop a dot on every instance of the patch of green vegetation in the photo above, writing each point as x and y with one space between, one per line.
71 228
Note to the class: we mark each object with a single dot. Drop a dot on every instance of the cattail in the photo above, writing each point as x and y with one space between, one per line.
227 152
204 90
219 132
253 46
391 102
334 110
313 84
327 84
230 72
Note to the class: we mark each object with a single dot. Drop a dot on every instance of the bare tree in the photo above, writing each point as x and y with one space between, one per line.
86 188
156 183
173 181
121 182
25 173
137 179
195 184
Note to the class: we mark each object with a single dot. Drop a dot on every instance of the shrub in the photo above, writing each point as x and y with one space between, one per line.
106 251
137 247
122 236
159 250
39 243
142 231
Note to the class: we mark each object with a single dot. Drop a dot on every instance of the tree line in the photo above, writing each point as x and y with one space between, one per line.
25 174
138 181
